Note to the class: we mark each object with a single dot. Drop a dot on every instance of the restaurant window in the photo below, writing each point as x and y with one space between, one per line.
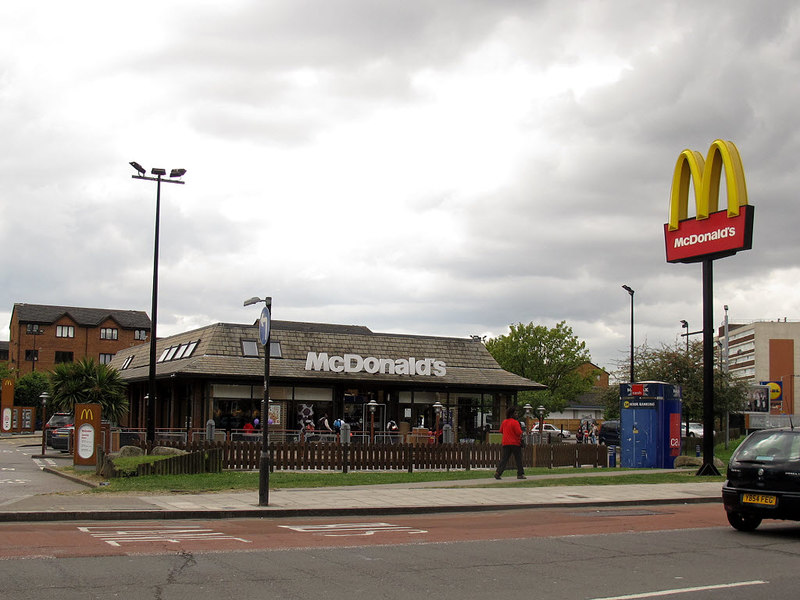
127 362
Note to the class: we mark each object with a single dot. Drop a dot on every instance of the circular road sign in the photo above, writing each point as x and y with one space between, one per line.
263 326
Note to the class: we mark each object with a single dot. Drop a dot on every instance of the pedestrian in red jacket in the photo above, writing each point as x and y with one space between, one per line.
512 443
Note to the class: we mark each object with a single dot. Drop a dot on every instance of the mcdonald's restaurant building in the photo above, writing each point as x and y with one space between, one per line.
316 369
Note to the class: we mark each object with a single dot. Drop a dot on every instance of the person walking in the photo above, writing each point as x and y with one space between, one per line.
512 443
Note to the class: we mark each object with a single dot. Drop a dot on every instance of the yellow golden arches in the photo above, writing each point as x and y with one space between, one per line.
706 176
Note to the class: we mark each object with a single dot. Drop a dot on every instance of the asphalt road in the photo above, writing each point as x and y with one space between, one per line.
22 476
667 551
684 551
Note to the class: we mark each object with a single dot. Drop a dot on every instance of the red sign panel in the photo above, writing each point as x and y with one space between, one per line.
718 235
674 434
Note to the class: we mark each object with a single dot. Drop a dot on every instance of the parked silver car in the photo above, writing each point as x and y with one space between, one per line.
552 430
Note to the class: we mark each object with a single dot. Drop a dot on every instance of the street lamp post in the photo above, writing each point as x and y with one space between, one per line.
685 325
631 292
35 355
264 327
540 411
372 406
437 406
528 410
174 175
44 397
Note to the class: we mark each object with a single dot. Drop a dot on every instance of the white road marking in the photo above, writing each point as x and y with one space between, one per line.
48 462
116 536
701 588
8 469
352 529
14 481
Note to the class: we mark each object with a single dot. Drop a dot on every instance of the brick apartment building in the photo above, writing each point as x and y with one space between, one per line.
41 336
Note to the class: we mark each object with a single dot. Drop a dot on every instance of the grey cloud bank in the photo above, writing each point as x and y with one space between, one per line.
442 168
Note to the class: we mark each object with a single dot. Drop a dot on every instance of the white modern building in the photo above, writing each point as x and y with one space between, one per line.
765 351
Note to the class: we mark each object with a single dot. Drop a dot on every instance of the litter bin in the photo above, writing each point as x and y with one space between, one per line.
612 456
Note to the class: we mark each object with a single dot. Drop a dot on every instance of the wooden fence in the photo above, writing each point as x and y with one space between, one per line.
203 461
296 456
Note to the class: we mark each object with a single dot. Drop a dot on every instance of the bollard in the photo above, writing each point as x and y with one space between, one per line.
697 450
448 435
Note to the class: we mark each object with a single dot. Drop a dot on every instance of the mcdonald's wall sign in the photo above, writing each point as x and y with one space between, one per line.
712 233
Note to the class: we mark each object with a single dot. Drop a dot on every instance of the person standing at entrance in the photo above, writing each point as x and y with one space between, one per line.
323 423
512 443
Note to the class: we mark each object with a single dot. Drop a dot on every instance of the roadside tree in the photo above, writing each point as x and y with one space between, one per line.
673 364
550 356
29 387
87 381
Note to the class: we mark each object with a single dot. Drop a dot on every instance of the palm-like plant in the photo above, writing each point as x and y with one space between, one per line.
87 381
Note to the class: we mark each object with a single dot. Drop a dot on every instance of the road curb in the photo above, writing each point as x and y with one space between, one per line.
157 514
73 478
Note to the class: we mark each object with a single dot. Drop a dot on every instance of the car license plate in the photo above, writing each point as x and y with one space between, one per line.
760 499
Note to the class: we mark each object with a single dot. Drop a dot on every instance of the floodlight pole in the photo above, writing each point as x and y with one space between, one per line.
151 378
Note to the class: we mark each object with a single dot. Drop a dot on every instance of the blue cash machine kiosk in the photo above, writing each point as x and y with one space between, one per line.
650 424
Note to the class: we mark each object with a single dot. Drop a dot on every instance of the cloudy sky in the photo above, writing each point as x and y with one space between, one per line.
439 168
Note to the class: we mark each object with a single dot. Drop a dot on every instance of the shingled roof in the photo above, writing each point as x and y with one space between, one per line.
218 354
87 317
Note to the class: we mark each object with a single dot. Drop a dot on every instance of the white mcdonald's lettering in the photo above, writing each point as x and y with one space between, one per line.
691 240
355 363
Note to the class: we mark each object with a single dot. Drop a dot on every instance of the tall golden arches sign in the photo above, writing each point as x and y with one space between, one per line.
712 233
708 173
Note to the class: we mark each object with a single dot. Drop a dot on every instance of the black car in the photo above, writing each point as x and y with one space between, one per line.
609 433
62 438
764 479
57 420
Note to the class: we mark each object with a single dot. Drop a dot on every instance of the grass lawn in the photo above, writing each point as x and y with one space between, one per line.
242 481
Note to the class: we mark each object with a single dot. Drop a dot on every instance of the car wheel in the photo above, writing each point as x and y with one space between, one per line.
743 522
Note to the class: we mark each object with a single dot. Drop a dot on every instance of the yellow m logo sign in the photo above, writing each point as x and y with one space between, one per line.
706 176
87 414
